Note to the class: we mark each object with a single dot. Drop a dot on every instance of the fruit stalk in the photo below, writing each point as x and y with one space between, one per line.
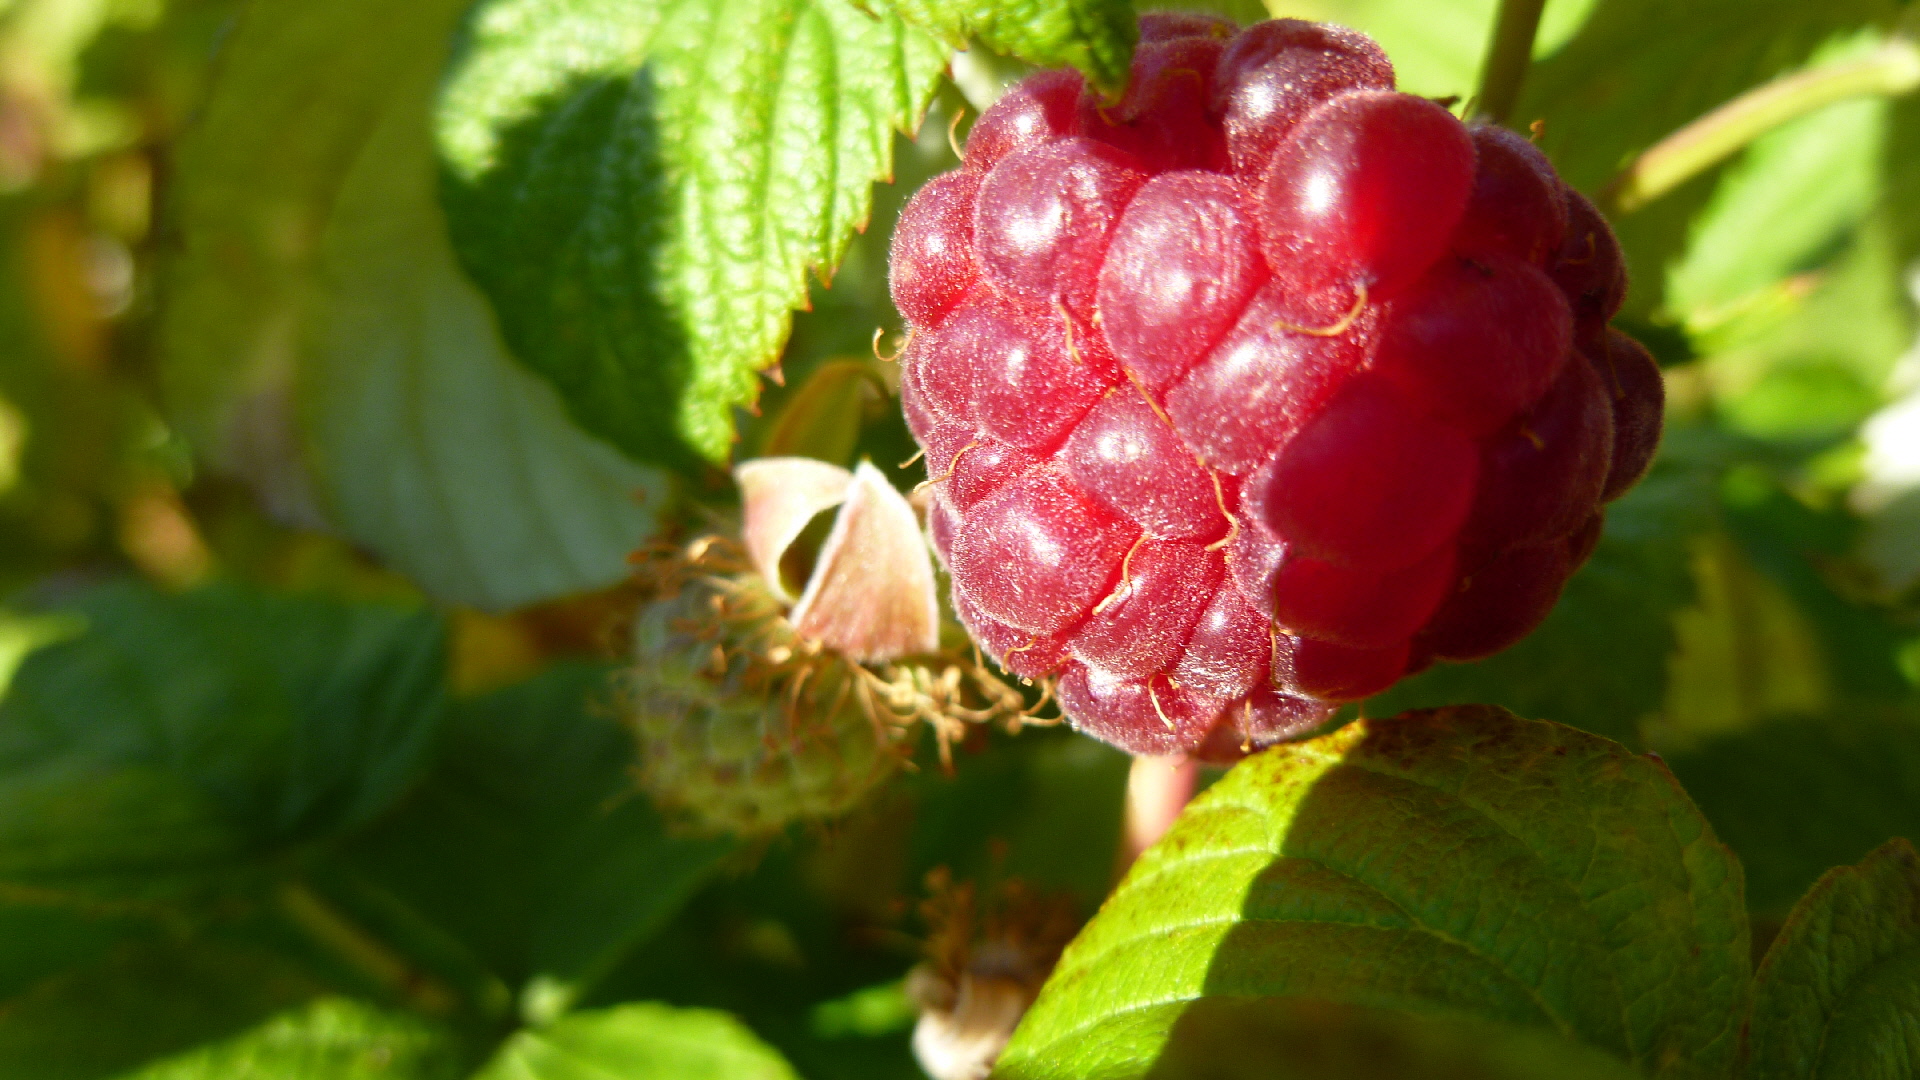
1158 788
1509 55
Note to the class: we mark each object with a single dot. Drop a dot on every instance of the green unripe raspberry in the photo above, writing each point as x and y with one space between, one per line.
744 726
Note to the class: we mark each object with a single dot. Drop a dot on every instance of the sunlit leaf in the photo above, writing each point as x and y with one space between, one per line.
639 1042
1462 862
1095 36
330 1039
642 189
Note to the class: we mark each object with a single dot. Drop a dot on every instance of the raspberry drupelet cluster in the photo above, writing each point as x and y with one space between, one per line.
1261 388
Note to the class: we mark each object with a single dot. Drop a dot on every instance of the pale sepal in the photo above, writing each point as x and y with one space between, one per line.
780 496
872 593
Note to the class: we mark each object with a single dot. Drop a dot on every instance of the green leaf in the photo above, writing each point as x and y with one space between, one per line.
1095 36
141 1001
1744 653
1619 607
1435 48
639 1042
1614 89
1900 172
1795 797
1295 1039
1839 991
1244 12
1781 208
642 188
1811 356
822 419
530 843
1461 862
321 340
182 734
329 1039
1043 807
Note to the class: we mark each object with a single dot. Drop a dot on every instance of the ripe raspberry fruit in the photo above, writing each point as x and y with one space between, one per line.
1260 388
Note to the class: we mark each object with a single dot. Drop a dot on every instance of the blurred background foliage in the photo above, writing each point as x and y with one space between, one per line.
309 765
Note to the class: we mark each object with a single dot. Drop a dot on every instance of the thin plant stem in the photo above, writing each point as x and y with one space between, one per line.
1890 70
1509 55
1158 788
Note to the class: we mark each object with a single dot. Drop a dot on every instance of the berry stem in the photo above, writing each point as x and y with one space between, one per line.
1509 55
1157 790
1891 70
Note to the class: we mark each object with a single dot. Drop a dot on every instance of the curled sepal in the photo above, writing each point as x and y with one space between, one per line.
779 496
871 595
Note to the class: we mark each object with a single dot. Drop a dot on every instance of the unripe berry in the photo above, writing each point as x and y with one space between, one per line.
719 744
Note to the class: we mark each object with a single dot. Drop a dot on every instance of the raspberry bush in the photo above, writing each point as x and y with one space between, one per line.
958 539
1260 388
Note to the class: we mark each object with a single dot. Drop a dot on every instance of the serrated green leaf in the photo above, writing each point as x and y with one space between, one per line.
1795 797
639 1042
184 734
1459 862
321 340
1095 36
641 189
1296 1039
530 843
1839 991
329 1039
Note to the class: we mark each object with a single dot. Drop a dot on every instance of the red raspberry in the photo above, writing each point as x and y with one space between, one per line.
1260 388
